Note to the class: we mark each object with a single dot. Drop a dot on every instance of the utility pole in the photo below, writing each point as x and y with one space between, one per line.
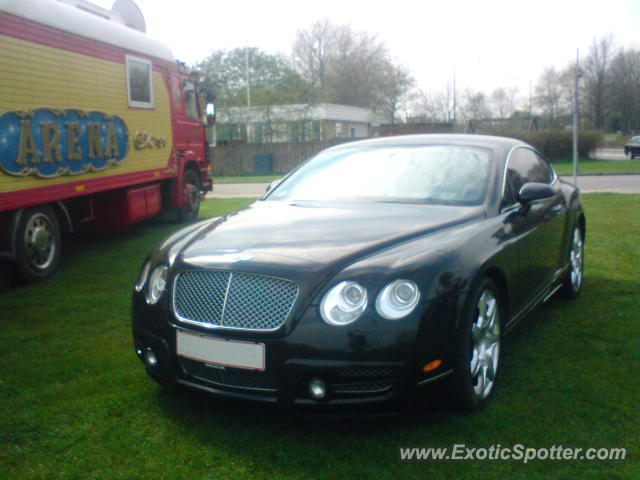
248 65
577 75
529 99
454 94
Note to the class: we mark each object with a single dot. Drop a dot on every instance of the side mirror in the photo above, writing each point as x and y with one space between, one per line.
532 191
210 113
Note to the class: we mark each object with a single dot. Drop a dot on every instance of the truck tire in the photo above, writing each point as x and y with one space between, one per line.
191 194
37 244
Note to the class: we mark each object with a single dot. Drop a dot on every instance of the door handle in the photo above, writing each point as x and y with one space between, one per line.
557 208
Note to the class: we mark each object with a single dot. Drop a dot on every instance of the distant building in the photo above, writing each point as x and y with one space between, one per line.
296 123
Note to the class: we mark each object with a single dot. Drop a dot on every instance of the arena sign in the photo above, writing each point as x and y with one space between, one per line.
47 143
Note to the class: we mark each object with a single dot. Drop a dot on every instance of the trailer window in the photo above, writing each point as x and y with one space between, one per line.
139 84
190 100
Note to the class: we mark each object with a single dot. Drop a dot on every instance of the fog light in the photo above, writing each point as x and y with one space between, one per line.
317 389
150 358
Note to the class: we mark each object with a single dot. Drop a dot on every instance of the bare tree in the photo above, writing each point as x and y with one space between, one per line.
313 50
625 91
397 82
597 68
551 95
350 68
434 106
503 101
474 106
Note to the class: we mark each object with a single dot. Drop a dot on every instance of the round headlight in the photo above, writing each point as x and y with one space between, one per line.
157 284
397 299
142 278
344 303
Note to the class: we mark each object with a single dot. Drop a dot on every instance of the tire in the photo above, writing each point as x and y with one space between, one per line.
38 244
575 276
190 198
479 348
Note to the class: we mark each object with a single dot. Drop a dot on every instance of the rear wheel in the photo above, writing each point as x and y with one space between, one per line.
38 244
573 282
190 201
479 353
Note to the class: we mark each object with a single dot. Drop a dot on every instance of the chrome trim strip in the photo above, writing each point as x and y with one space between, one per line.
437 377
550 294
226 296
222 327
538 299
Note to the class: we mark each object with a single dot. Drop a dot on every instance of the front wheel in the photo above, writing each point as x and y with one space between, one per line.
191 194
38 244
479 353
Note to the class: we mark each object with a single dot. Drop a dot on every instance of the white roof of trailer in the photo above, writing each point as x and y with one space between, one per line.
89 21
295 112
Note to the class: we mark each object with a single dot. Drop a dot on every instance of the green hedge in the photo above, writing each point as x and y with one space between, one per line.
556 144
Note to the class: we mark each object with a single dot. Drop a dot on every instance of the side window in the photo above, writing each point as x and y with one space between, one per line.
524 166
190 100
139 82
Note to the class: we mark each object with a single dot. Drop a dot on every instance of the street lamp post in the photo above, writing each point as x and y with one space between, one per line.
577 75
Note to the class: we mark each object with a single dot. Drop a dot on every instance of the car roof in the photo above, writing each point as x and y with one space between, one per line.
493 142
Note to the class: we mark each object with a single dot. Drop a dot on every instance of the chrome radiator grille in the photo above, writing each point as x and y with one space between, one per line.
215 298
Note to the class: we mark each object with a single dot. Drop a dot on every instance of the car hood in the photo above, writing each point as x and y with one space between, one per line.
271 236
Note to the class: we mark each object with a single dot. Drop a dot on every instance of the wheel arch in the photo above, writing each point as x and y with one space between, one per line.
191 165
498 277
64 217
582 223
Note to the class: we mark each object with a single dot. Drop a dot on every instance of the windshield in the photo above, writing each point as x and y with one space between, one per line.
425 174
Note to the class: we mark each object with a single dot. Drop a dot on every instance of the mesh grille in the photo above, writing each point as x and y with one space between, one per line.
233 300
231 377
366 372
363 387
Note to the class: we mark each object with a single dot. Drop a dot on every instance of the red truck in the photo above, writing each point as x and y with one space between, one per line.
98 125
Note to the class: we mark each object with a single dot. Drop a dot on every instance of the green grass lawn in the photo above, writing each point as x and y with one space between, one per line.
75 401
589 165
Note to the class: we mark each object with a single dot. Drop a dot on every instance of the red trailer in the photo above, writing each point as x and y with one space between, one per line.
98 124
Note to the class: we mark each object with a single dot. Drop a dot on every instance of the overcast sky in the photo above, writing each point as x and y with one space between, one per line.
490 43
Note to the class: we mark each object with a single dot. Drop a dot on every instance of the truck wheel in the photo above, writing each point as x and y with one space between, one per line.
38 244
190 201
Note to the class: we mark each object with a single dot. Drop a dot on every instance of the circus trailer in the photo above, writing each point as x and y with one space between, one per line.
99 126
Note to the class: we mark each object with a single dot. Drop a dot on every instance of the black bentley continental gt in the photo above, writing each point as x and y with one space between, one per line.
374 269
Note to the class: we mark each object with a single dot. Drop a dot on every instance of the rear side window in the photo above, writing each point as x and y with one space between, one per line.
139 82
525 166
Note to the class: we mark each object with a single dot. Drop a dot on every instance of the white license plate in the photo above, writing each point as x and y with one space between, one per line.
221 352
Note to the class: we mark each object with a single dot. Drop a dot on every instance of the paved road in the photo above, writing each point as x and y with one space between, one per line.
606 183
587 183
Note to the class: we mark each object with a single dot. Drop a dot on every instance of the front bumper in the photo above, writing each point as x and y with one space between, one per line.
372 361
